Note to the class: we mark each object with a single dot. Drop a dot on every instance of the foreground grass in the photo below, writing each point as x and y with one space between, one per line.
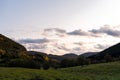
104 71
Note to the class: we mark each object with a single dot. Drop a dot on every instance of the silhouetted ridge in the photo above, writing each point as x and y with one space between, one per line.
113 51
10 47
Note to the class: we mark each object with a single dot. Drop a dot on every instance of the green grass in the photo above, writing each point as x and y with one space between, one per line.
104 71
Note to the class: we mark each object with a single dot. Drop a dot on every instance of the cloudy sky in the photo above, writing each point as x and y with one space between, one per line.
61 26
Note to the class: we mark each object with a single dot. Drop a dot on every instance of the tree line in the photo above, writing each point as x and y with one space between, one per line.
39 61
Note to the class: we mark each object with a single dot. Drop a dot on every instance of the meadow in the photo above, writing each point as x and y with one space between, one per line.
103 71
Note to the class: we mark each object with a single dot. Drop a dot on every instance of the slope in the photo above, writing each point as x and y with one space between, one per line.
113 51
9 47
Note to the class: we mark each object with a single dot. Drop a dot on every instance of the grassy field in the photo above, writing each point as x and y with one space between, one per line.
104 71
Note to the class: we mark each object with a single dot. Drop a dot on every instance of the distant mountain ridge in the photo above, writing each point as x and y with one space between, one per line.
70 55
88 54
57 57
36 52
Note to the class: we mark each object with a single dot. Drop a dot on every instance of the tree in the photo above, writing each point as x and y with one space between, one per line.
68 63
81 60
24 63
54 63
46 65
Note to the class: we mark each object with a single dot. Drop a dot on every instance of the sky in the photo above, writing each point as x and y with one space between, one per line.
61 26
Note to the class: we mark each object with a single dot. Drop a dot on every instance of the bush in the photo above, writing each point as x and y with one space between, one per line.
81 60
68 63
16 63
24 63
54 63
46 66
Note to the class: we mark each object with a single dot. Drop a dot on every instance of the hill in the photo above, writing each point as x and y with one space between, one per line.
113 51
65 56
57 57
36 52
109 71
70 55
40 56
88 54
13 54
11 48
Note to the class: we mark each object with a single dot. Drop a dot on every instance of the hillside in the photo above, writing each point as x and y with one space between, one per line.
65 56
70 55
9 47
88 54
109 71
113 51
36 52
12 54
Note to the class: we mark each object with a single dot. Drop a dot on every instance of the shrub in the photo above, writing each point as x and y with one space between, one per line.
46 66
24 63
68 63
81 60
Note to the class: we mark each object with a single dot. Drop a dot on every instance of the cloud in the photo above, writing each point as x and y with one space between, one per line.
36 46
58 41
78 43
57 32
55 29
107 30
77 49
54 32
83 33
63 48
24 41
101 46
79 32
33 47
